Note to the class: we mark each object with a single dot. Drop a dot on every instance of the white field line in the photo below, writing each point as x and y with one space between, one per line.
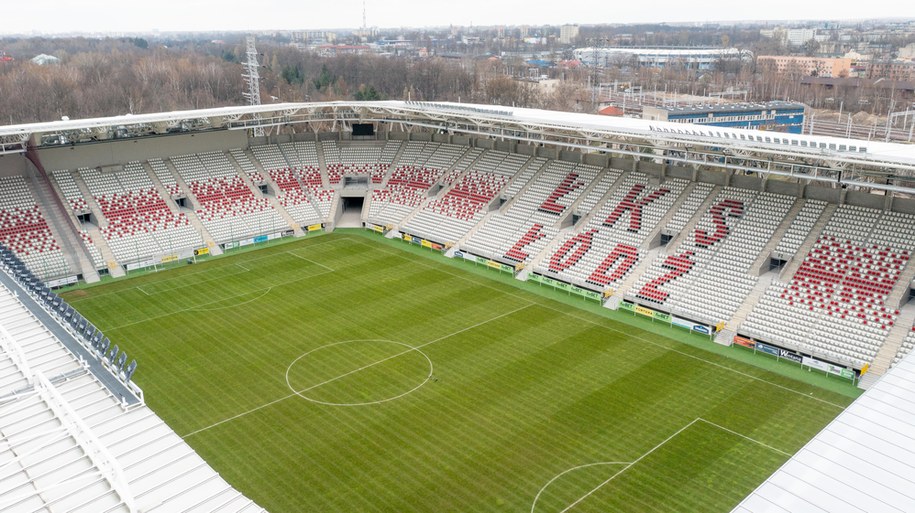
564 472
653 449
294 394
198 307
237 264
629 334
745 437
416 348
627 467
242 414
310 261
119 291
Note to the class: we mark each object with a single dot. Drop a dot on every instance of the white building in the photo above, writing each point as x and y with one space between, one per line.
567 34
698 58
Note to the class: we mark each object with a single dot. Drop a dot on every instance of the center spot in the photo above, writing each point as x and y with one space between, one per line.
358 372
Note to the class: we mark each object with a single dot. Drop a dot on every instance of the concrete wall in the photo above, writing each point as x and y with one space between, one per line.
621 163
398 135
547 152
507 146
486 144
715 177
11 165
754 183
822 193
651 168
865 199
461 140
570 156
783 187
596 159
525 149
904 205
685 173
144 148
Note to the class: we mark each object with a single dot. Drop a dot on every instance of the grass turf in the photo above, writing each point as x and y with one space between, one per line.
475 394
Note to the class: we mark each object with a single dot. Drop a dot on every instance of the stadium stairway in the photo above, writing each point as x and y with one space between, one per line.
890 347
75 253
163 192
788 272
745 308
322 168
90 200
521 192
115 268
191 213
290 221
761 265
387 176
470 233
643 265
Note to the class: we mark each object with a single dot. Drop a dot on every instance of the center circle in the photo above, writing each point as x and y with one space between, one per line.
358 372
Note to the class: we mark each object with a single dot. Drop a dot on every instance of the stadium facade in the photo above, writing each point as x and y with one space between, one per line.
794 245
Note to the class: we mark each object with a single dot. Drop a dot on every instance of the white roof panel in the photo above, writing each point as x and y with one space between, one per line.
70 445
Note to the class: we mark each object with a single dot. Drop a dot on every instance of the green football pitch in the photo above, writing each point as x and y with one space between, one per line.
342 373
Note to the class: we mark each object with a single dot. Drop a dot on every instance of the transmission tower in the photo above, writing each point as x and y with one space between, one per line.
252 78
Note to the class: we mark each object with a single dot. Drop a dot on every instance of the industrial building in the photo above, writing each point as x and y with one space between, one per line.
777 116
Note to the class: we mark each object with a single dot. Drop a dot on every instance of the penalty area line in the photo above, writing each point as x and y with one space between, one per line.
655 448
628 466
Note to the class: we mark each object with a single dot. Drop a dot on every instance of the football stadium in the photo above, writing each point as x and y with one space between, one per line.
415 306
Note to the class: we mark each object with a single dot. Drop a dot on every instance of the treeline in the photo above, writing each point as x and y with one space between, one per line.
109 77
115 78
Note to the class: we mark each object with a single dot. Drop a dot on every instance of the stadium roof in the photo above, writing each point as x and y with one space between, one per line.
863 461
869 164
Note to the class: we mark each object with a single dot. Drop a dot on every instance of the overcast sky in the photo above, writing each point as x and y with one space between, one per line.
54 16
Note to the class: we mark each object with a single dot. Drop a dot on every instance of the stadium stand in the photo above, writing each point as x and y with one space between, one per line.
24 229
420 166
246 165
165 176
463 205
800 227
529 222
228 208
667 281
297 162
908 343
723 281
606 249
137 221
358 159
79 206
835 303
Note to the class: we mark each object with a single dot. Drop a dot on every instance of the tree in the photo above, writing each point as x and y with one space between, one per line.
811 47
367 94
